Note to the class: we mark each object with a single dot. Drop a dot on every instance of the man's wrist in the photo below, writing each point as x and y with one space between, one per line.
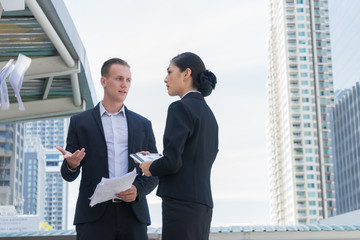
70 169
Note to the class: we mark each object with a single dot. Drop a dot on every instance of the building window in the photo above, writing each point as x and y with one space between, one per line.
308 150
310 176
303 74
300 18
304 83
311 185
311 194
306 100
312 212
300 194
299 177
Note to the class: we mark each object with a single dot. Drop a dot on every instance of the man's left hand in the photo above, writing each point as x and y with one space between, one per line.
128 195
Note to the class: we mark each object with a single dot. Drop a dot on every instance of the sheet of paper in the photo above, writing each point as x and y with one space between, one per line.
4 95
17 76
108 187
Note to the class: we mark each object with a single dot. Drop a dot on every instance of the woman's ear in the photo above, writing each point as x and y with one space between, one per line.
187 73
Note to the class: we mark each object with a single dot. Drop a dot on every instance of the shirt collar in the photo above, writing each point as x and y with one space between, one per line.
191 92
103 110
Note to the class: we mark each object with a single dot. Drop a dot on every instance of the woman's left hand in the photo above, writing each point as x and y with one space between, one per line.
145 168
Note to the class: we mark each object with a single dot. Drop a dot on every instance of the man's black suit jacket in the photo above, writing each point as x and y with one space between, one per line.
190 148
86 131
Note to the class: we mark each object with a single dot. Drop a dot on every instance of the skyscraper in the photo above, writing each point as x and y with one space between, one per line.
56 191
12 165
346 122
300 95
52 132
34 177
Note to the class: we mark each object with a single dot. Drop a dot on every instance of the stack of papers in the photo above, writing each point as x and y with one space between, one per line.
108 187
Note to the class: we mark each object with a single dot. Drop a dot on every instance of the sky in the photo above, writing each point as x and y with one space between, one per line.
230 36
345 38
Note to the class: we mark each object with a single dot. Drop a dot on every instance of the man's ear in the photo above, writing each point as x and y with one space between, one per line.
103 81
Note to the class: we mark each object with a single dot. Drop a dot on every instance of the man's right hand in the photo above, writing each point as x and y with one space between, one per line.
73 159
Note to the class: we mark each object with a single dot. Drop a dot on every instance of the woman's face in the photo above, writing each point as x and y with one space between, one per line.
175 81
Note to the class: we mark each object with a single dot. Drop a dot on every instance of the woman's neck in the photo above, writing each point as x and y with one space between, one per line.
187 91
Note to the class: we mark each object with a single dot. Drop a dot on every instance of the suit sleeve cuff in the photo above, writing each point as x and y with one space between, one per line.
71 170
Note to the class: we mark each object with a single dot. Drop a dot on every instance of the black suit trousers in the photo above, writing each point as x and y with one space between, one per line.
117 223
184 220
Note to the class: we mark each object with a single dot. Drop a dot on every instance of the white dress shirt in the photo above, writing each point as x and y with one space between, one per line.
116 136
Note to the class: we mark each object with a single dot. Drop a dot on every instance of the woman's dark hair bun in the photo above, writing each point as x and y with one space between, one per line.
203 79
206 82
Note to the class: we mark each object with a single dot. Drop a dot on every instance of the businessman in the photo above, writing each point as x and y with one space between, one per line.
99 142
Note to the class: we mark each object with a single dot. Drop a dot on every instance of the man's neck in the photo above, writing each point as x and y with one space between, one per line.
112 107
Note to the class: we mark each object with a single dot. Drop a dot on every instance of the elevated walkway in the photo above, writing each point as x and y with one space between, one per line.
58 82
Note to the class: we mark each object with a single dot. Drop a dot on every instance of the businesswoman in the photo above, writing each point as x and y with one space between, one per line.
190 148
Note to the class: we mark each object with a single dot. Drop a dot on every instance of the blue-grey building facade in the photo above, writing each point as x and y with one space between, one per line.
34 177
346 150
12 165
51 133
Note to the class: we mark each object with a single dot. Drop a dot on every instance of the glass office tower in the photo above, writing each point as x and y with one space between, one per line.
346 132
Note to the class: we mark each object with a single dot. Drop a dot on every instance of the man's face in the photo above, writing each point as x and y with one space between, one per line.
117 83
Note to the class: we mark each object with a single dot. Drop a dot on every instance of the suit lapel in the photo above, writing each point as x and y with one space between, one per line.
129 120
96 116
